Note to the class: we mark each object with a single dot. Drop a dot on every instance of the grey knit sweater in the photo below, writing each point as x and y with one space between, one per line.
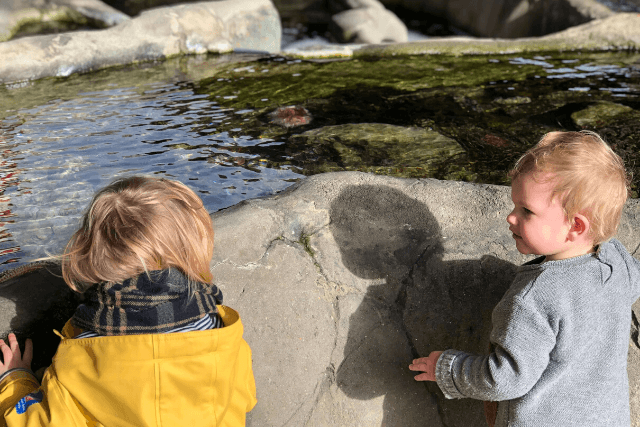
561 337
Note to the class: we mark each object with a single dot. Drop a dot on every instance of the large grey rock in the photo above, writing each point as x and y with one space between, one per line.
16 14
218 26
367 21
511 18
620 31
345 278
402 266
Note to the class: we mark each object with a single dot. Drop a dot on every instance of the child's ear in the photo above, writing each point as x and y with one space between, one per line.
580 227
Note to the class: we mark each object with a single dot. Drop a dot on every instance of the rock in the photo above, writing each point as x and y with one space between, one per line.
96 9
27 17
367 22
218 26
601 113
620 31
343 279
402 267
134 7
374 147
510 18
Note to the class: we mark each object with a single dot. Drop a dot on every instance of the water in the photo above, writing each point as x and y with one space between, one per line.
208 122
55 156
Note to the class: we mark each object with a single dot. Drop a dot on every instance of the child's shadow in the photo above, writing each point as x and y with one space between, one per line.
33 304
424 304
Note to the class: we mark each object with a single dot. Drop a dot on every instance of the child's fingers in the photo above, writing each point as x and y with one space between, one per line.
424 377
418 367
13 343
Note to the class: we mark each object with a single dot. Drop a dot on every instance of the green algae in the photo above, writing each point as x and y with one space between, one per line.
305 241
493 107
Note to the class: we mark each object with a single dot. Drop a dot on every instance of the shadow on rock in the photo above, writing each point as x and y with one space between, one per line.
419 303
42 302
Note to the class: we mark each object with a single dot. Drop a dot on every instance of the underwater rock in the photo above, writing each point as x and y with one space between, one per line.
602 113
375 147
30 17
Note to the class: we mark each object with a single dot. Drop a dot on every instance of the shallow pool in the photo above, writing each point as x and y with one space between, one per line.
210 123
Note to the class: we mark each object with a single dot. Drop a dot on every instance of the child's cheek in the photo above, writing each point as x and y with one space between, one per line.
545 232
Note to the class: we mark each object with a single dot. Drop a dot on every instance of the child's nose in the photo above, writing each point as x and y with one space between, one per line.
511 218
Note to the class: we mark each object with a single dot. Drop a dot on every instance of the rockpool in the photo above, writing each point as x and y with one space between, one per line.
240 126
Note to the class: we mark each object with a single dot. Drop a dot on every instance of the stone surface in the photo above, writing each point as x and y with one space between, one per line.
16 16
601 113
220 26
620 31
341 281
374 147
367 21
511 18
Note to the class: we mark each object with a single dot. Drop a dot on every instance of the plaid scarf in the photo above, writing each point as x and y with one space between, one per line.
146 304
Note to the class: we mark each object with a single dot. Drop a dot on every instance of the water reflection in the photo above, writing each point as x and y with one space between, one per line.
54 157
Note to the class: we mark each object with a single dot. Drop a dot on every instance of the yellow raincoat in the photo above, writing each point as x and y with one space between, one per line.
186 379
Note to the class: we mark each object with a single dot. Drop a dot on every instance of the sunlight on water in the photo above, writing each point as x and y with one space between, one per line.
54 157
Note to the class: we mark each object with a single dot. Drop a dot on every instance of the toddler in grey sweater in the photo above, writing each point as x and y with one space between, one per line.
561 332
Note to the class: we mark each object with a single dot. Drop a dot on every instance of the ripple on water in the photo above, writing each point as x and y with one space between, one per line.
55 156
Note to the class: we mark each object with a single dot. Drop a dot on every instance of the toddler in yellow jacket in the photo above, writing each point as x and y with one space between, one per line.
152 344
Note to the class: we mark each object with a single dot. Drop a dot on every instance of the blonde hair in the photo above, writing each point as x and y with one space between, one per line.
137 224
589 178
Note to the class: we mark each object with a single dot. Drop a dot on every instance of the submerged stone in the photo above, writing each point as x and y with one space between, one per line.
598 114
376 147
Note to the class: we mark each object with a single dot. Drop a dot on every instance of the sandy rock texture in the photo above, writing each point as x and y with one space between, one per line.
217 26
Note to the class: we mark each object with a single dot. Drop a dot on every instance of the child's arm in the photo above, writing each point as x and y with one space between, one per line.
523 338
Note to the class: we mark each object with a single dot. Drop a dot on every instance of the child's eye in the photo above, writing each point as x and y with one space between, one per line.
527 211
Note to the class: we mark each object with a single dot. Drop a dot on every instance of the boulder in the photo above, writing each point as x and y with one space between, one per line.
367 21
346 277
217 26
23 17
620 31
380 270
510 18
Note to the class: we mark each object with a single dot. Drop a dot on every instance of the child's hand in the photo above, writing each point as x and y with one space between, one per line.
12 357
427 365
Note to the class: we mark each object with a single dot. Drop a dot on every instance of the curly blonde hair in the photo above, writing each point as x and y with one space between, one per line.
139 224
589 177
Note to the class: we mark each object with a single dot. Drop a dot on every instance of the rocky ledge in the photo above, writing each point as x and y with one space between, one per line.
343 279
217 26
